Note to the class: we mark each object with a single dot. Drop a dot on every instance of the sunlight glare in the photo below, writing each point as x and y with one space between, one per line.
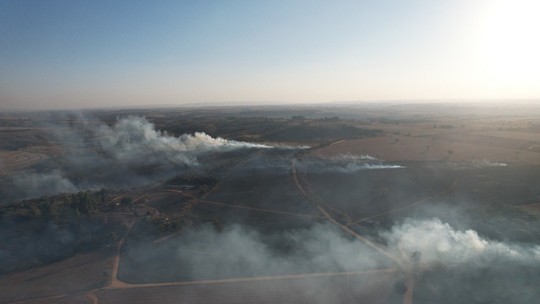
508 41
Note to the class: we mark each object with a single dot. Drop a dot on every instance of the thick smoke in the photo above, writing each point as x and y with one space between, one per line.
134 139
129 153
459 266
438 242
238 251
444 259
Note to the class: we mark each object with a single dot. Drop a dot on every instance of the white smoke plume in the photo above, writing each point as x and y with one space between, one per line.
486 163
365 166
438 242
135 139
129 153
347 163
353 157
475 164
239 251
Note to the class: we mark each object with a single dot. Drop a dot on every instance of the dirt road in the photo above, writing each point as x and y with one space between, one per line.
114 282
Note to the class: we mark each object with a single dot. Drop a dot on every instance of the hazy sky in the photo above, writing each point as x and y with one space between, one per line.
114 53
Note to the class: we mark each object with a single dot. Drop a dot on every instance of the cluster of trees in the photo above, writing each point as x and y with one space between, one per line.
56 207
46 230
319 131
295 128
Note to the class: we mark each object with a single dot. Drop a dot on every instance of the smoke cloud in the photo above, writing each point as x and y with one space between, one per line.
238 251
134 139
438 242
43 184
129 153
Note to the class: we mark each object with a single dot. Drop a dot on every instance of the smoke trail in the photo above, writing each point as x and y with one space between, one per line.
131 152
475 164
346 163
353 157
135 139
486 163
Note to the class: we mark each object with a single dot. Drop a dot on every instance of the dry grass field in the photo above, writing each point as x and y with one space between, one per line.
73 275
492 146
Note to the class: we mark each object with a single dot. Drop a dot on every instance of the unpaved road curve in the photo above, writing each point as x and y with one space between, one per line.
114 282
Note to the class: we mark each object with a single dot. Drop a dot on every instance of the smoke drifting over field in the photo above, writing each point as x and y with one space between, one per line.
134 139
346 163
131 152
438 242
44 184
238 251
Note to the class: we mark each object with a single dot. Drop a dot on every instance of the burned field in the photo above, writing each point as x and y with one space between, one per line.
256 223
382 207
369 195
482 200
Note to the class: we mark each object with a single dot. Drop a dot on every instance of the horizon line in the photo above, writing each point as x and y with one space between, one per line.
208 104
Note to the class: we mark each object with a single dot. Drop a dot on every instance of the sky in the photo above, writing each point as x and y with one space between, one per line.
81 54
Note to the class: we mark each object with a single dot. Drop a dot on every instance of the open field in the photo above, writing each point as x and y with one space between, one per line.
367 288
459 148
18 160
76 274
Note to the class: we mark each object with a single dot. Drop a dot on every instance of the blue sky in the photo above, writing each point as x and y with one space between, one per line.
76 54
